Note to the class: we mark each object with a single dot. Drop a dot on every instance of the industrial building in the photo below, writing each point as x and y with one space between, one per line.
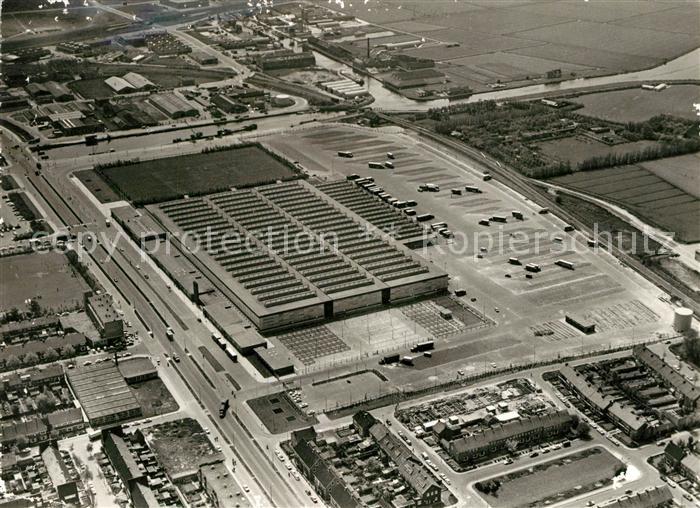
49 90
277 360
228 105
100 308
103 394
345 88
173 106
286 59
580 322
398 80
129 82
288 253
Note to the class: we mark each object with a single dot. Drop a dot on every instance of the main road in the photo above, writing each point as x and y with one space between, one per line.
149 297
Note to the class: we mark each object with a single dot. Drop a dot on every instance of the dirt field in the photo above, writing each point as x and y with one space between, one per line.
154 398
637 105
180 445
643 193
47 276
170 178
556 480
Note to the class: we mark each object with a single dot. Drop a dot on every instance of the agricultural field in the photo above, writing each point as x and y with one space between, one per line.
46 21
513 41
637 105
643 193
170 178
47 277
579 148
679 171
555 481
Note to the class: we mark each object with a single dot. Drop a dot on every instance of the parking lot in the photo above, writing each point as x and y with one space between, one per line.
523 306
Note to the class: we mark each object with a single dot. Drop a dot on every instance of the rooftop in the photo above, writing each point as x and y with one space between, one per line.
102 390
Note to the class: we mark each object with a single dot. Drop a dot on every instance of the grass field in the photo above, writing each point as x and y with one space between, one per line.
94 183
556 480
171 178
645 194
637 105
47 277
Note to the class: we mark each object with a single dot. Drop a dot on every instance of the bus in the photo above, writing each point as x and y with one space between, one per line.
347 155
484 222
438 225
565 264
472 188
375 165
423 346
499 218
352 177
424 217
514 261
532 267
518 215
456 192
389 165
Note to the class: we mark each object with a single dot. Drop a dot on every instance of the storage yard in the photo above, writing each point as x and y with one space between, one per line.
477 258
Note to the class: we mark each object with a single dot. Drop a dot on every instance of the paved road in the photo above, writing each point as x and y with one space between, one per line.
145 291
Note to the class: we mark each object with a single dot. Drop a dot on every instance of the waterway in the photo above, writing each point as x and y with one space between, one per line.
684 67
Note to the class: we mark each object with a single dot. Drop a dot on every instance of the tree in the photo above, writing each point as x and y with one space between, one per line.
30 359
45 403
22 442
50 354
35 308
12 362
512 446
68 351
582 430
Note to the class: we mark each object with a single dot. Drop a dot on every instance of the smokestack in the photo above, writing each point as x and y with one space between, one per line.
368 48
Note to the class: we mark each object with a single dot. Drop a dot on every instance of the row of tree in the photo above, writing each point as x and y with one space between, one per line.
50 354
660 151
